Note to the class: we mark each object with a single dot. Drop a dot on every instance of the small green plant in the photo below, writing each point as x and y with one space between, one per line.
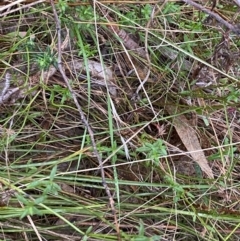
177 188
57 90
30 44
154 150
30 205
85 14
233 94
62 5
46 59
229 151
131 17
89 50
146 11
106 151
171 11
128 18
48 187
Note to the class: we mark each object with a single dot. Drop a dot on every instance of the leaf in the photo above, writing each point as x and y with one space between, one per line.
190 140
143 149
22 199
53 173
39 200
24 214
34 184
101 75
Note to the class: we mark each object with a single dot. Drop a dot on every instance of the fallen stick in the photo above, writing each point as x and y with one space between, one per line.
234 28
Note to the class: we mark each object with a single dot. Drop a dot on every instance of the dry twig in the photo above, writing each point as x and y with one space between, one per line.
5 87
83 118
235 28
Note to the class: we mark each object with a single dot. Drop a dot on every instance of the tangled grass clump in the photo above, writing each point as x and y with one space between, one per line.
158 86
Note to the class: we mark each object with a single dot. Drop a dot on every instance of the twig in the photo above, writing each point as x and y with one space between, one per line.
6 85
9 94
237 2
32 224
10 5
235 28
83 118
6 93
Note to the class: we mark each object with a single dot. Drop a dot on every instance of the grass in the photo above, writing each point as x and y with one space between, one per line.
51 183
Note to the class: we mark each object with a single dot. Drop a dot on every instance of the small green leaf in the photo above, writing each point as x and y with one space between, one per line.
141 229
53 173
143 149
22 199
24 214
34 184
39 200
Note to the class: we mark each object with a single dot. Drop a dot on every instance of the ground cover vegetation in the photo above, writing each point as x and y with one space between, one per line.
119 120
